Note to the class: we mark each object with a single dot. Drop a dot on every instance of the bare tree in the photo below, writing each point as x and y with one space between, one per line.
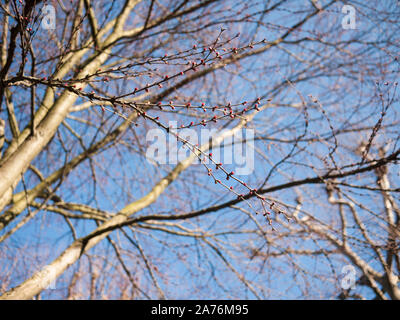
86 86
